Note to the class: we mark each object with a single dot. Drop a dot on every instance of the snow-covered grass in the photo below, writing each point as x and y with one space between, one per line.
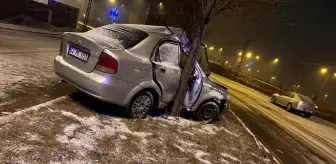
64 131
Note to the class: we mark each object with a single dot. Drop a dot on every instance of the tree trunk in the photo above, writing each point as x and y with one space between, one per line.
187 71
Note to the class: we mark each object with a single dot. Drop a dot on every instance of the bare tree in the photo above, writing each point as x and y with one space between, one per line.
198 14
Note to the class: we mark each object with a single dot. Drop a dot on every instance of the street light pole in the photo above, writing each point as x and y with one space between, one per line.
87 15
326 80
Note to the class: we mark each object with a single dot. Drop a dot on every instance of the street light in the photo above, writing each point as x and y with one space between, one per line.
227 62
324 70
211 48
249 55
257 57
221 49
249 69
258 71
275 60
240 53
112 1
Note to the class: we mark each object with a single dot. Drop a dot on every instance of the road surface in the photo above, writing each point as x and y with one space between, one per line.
292 138
27 79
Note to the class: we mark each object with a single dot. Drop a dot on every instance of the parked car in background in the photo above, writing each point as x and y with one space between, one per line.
295 101
137 67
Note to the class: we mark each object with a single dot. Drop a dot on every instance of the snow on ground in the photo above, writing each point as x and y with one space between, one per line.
63 131
318 136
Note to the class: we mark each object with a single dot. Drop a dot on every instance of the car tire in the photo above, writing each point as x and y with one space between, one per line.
273 100
307 115
140 105
289 107
207 111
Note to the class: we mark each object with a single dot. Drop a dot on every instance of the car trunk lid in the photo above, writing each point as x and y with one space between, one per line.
83 50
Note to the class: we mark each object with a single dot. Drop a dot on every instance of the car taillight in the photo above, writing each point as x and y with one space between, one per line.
107 64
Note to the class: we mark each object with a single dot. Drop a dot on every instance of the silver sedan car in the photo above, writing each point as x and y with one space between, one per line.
295 101
137 67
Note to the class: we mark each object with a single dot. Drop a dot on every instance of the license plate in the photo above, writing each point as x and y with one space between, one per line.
78 54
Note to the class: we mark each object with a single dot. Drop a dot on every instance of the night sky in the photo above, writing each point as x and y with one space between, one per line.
303 41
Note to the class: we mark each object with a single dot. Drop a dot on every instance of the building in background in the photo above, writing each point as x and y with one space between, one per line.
37 14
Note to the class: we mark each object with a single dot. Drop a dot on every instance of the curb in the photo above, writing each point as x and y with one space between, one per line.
29 29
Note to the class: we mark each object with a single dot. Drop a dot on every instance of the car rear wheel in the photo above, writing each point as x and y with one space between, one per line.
289 107
307 115
140 105
207 112
273 100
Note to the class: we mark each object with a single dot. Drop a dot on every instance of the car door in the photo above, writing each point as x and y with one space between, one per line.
167 72
282 99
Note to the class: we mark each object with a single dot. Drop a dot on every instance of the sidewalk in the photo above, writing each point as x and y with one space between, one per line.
28 29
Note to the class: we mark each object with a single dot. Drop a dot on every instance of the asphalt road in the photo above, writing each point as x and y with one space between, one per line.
27 79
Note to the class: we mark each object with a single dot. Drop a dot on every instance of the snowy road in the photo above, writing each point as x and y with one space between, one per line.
293 138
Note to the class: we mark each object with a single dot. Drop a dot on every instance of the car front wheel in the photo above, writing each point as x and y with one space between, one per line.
207 112
140 105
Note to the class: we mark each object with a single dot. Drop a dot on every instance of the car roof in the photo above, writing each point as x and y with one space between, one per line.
155 29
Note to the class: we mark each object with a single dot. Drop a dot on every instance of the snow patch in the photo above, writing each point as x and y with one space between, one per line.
230 157
199 156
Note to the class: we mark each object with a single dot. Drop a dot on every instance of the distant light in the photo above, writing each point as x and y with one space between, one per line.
298 86
221 49
211 48
276 60
240 53
161 4
258 71
206 45
334 74
84 15
112 1
325 95
249 69
114 14
273 77
227 62
246 65
324 70
257 57
249 55
122 5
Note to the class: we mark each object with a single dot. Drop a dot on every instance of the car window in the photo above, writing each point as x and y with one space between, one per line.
128 37
306 99
169 53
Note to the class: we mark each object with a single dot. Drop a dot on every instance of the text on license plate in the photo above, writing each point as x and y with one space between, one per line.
78 53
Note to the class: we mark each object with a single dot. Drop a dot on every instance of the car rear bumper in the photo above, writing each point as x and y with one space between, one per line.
97 84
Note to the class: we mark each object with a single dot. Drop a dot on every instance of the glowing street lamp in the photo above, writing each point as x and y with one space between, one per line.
249 55
257 57
324 70
221 49
211 48
112 1
258 71
240 53
275 60
227 62
249 69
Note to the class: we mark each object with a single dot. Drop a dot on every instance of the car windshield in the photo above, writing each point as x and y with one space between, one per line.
127 36
306 99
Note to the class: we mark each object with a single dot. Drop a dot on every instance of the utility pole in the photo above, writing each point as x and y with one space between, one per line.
87 15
